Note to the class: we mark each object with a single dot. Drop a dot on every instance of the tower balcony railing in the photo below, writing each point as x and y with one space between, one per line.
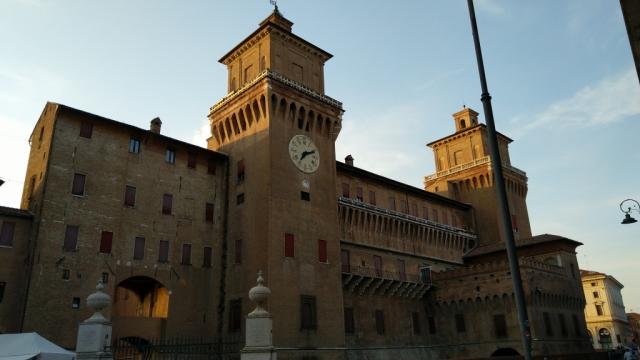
367 281
470 164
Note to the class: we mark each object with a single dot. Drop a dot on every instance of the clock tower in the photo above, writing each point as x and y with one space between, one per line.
279 130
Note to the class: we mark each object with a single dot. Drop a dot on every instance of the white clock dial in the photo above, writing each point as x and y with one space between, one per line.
304 153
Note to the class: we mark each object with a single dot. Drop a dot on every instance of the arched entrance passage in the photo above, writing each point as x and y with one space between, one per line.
504 352
140 308
604 337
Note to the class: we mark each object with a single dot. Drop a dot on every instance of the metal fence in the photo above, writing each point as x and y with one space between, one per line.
175 348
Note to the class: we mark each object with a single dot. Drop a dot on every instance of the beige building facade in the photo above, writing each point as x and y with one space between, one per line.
361 265
604 311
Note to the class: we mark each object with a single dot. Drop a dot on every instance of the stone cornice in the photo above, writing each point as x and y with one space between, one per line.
274 76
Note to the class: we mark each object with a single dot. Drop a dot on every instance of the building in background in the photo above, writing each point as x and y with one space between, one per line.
358 261
604 311
631 15
634 327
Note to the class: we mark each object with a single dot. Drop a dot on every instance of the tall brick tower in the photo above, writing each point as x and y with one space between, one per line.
464 173
279 130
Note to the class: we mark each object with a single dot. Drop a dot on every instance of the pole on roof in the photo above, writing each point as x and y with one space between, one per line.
503 205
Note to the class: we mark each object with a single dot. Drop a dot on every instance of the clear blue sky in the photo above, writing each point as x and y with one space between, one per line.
560 73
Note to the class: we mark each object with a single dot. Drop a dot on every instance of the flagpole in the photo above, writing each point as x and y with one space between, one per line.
503 205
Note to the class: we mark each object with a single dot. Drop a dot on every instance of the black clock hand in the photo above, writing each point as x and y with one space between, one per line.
305 153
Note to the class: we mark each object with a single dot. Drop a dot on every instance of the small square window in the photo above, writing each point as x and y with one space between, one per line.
105 278
134 145
86 129
240 199
6 233
170 156
596 295
75 304
206 257
130 196
304 195
186 254
138 248
167 204
66 274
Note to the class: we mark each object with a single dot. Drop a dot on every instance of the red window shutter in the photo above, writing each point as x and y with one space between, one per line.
209 212
514 222
322 251
372 197
345 190
78 184
71 238
86 129
167 202
163 251
206 260
191 160
186 254
138 248
289 245
6 234
346 261
401 270
130 196
238 253
105 242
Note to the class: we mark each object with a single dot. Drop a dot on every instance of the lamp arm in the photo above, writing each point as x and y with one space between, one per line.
637 208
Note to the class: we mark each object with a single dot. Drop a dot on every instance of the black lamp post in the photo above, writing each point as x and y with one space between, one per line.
628 219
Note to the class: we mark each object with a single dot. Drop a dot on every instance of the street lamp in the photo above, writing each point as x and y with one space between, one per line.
628 219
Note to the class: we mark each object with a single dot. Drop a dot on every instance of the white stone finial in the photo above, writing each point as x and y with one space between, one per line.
259 295
97 302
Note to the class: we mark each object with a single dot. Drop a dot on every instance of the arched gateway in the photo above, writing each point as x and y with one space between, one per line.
140 308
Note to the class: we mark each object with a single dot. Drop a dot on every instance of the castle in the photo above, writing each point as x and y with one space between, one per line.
360 264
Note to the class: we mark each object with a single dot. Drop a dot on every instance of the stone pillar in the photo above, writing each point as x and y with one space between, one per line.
94 334
258 340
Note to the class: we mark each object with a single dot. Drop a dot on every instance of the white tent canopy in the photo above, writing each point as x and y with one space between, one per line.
26 346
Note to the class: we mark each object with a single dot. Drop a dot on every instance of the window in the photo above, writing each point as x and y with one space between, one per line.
392 203
322 251
304 195
435 214
208 213
500 325
75 303
70 238
425 275
3 285
6 233
432 324
457 157
308 312
163 251
403 206
170 156
138 248
593 284
345 190
66 274
32 186
105 278
346 261
379 322
240 199
186 254
415 322
596 295
211 167
106 240
547 324
240 169
167 203
40 137
248 73
289 240
414 209
372 197
460 325
78 184
514 222
349 323
235 315
463 124
206 257
192 160
401 270
599 310
134 145
86 129
563 325
359 195
130 196
576 325
238 253
377 265
425 213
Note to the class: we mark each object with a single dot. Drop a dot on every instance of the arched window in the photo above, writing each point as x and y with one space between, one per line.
463 124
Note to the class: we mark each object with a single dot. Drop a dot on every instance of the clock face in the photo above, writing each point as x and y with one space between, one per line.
304 153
